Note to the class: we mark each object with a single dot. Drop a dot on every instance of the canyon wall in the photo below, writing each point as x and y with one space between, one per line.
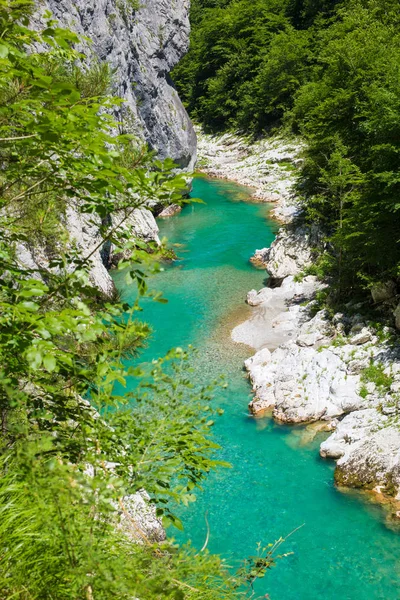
141 45
141 41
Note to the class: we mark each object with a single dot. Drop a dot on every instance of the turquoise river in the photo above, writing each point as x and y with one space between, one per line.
277 481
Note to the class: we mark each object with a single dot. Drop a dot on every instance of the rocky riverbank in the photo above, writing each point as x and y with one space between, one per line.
268 166
341 371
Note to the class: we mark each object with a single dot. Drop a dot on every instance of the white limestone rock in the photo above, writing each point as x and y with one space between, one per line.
333 449
361 338
317 328
141 46
144 225
369 444
84 234
140 224
305 385
278 313
256 367
136 514
255 298
291 252
308 339
267 165
308 379
138 518
28 258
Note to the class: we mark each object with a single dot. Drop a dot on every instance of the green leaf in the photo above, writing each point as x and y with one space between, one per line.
31 306
49 362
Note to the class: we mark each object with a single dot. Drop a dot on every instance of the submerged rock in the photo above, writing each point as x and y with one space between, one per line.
170 211
259 258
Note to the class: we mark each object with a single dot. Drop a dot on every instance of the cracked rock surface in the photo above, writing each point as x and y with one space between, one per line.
141 46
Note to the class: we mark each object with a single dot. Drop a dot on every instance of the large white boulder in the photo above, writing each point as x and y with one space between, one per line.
304 385
367 444
278 315
291 252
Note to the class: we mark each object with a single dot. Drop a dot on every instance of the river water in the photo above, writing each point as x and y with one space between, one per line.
277 481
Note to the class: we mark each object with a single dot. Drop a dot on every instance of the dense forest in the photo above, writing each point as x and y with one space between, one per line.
75 446
330 71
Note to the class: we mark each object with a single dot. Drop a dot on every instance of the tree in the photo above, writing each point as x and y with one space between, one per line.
330 71
352 101
73 446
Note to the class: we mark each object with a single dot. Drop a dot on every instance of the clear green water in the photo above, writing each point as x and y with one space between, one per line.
278 482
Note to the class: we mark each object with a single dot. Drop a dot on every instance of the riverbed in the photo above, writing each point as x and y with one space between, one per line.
277 482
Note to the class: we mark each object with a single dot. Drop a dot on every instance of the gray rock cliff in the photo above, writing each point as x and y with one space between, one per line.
141 46
142 42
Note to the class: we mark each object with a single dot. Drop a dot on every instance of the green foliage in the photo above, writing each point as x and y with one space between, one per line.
347 113
246 61
219 77
374 373
92 82
75 443
63 542
329 70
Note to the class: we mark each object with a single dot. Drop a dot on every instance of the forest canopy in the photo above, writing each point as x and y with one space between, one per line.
328 70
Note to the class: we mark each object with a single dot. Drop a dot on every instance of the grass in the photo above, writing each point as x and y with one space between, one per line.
374 373
287 165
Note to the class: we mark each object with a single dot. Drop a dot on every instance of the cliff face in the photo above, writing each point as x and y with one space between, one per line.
142 46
